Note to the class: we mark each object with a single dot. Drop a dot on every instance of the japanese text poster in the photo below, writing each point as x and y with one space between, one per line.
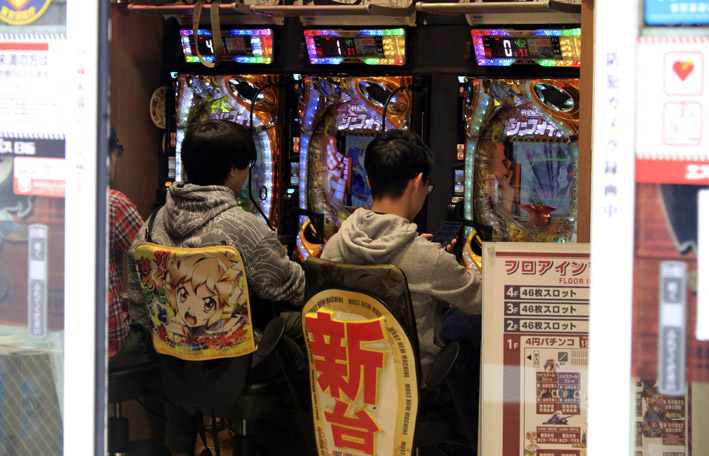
535 349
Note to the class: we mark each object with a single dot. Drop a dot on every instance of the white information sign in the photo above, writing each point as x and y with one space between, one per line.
535 349
672 110
32 85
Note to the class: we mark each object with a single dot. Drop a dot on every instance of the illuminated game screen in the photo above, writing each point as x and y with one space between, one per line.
360 194
546 174
242 46
459 182
521 158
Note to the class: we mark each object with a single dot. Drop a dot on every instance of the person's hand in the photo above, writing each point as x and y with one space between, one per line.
427 236
451 246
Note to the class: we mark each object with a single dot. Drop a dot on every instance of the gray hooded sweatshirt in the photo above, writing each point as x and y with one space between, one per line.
434 276
205 216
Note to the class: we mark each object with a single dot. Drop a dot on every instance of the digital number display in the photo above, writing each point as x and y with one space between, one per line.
371 47
237 46
334 46
501 47
546 47
243 46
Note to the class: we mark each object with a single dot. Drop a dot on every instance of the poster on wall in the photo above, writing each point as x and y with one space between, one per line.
34 113
672 135
535 349
661 420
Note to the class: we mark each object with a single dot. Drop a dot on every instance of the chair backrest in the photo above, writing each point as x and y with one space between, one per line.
198 301
385 281
362 358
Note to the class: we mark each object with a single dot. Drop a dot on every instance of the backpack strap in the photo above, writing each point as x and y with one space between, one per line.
216 30
151 220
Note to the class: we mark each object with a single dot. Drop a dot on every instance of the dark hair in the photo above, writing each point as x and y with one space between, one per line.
213 148
392 159
112 138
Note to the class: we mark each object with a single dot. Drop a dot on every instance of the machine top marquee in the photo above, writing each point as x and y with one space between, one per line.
560 48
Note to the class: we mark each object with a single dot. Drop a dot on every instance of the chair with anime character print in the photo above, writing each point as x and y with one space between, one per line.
201 327
364 366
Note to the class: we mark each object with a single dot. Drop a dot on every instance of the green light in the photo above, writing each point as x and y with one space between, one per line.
371 61
571 32
398 32
547 62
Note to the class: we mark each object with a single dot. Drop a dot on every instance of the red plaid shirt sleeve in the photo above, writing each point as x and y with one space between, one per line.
124 221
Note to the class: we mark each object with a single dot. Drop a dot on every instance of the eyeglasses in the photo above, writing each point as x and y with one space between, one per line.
252 163
429 187
118 150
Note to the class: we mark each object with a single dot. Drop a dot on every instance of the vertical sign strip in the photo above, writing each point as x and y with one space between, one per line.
80 228
612 215
702 331
672 327
37 259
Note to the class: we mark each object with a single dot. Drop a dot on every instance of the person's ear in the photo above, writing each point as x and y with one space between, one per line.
417 180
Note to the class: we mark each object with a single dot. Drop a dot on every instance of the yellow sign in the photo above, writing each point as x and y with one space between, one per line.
22 12
359 355
198 301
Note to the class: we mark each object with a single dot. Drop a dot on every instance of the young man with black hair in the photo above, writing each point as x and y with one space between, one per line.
203 212
398 165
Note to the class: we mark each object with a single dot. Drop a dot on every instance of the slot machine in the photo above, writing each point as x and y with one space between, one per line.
251 100
338 116
520 141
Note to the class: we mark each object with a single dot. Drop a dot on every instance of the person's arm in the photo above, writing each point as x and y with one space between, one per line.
271 274
452 283
127 224
137 309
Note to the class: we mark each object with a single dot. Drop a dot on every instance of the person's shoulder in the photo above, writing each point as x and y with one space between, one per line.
117 195
237 220
118 199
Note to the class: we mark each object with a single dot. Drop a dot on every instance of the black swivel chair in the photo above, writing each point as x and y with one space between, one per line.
387 285
208 370
132 383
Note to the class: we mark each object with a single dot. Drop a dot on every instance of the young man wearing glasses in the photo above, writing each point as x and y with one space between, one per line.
398 164
124 221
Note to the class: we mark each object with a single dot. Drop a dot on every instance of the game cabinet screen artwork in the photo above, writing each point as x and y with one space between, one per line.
339 117
234 98
521 158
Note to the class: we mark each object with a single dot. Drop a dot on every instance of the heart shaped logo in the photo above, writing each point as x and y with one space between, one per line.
683 69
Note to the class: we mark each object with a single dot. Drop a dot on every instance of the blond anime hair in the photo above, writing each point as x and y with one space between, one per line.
213 270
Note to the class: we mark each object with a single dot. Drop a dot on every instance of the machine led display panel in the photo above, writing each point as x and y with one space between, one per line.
372 47
543 47
241 46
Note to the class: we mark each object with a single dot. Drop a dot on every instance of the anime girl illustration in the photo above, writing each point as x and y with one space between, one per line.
204 296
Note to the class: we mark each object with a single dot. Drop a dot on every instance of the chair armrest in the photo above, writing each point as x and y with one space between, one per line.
271 336
443 365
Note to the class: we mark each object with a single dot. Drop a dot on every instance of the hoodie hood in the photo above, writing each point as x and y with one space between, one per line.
189 207
370 238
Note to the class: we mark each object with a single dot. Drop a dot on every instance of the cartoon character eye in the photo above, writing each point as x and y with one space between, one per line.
182 294
209 305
